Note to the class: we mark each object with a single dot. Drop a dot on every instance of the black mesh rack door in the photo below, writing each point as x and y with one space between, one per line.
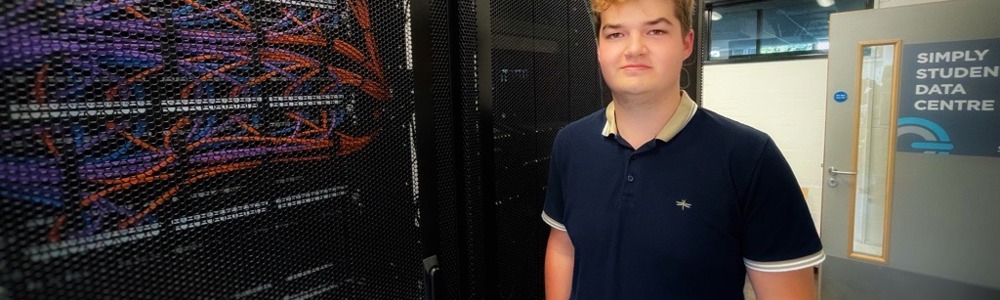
544 75
175 149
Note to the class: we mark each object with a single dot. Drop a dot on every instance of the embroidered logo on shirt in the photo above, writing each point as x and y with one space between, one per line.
683 204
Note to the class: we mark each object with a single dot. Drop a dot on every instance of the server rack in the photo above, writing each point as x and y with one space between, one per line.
206 149
284 148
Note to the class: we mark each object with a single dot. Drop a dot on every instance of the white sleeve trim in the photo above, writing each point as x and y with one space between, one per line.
786 265
552 222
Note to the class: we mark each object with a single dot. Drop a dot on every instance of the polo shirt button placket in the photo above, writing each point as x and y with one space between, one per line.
628 167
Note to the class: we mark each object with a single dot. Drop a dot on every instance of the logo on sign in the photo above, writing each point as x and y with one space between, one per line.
930 137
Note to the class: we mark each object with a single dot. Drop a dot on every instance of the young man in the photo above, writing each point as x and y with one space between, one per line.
656 198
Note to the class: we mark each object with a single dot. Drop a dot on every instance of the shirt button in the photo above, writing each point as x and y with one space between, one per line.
630 178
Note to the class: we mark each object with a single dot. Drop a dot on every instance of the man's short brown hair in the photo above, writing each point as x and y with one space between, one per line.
683 10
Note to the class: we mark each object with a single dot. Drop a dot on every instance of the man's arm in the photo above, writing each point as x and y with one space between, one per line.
558 265
798 284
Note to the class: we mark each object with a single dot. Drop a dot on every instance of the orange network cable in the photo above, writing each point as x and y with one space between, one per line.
186 91
195 59
139 142
238 13
203 57
225 168
298 39
348 50
47 140
350 144
248 128
133 139
263 139
159 201
301 159
111 93
236 90
296 117
145 174
288 90
360 9
311 131
239 25
272 56
317 147
326 89
313 38
374 89
198 175
40 80
372 63
316 27
299 22
120 185
54 232
129 9
173 129
135 181
323 118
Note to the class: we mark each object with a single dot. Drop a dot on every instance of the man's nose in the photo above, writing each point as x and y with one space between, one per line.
636 46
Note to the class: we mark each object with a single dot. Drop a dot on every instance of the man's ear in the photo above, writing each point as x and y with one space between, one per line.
688 43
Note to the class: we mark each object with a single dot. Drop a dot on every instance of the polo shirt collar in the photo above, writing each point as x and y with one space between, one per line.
685 111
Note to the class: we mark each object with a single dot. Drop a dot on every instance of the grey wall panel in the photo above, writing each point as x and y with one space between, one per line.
862 281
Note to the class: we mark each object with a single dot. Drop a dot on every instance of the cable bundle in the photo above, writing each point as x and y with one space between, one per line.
102 53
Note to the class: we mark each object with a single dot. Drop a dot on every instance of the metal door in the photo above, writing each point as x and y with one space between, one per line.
912 153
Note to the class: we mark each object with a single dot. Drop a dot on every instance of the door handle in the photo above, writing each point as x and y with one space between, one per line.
833 175
833 171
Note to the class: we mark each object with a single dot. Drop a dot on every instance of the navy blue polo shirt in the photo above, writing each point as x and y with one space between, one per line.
682 216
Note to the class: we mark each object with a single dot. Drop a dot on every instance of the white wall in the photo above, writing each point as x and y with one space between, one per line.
895 3
785 99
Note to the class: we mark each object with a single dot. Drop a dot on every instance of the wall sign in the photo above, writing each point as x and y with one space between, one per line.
948 98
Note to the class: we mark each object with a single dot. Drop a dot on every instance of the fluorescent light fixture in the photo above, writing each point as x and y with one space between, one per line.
823 45
716 16
825 3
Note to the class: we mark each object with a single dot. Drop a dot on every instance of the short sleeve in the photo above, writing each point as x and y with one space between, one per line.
554 208
778 231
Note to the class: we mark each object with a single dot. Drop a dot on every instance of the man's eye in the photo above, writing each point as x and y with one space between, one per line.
615 35
658 32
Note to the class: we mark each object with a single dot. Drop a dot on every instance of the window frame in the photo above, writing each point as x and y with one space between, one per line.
707 7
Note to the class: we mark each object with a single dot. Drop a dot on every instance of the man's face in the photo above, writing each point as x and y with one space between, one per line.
641 47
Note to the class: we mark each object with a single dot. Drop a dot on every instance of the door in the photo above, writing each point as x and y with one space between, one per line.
912 153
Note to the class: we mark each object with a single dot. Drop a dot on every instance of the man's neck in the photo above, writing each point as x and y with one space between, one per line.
639 118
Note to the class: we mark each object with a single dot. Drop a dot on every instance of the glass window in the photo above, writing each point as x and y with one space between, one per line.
772 28
876 115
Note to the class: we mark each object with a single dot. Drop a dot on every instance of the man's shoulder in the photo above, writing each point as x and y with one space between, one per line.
590 125
716 126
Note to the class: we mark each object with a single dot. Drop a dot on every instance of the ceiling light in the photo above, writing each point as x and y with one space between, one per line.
825 3
823 45
716 16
